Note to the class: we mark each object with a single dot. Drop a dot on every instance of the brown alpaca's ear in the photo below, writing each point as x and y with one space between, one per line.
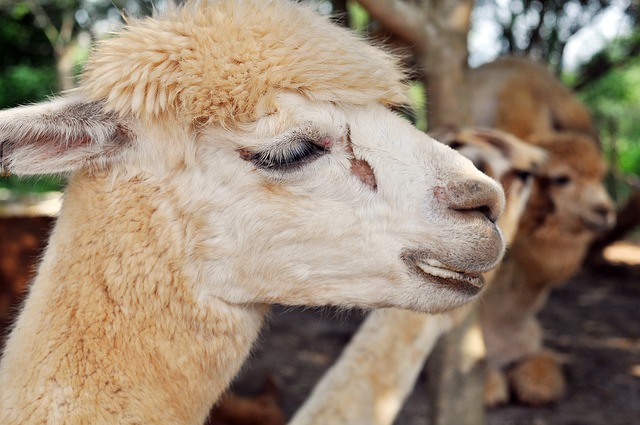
59 135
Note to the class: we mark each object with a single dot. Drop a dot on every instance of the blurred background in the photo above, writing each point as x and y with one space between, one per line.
592 46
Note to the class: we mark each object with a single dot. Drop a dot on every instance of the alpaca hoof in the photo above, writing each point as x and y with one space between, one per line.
538 380
496 388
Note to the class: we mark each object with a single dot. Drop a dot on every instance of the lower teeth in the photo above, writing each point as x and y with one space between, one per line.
437 271
431 267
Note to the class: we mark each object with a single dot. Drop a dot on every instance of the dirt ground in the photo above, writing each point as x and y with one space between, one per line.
594 320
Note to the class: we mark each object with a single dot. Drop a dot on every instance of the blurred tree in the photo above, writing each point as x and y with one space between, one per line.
57 21
610 86
436 32
617 54
614 99
27 66
39 34
40 46
541 29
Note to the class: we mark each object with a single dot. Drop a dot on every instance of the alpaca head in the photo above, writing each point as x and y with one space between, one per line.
570 184
268 130
505 158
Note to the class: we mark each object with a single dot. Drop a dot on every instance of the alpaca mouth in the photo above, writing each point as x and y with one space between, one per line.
433 271
598 224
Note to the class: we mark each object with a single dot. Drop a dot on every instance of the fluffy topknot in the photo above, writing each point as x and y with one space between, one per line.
223 61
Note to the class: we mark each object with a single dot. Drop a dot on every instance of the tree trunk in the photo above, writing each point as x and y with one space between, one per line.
443 62
456 367
437 30
456 374
65 61
444 76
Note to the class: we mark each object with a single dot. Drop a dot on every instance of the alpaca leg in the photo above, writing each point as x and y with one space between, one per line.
496 388
538 379
375 372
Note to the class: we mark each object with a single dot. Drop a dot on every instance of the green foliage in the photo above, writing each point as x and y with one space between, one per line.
27 68
358 16
27 74
614 100
28 32
25 185
21 84
21 40
418 100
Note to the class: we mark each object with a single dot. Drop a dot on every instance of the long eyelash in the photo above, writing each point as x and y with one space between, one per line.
288 156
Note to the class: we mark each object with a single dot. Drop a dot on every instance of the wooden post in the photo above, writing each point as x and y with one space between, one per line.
456 374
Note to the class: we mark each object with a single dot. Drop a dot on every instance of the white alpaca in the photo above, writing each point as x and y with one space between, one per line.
224 156
378 369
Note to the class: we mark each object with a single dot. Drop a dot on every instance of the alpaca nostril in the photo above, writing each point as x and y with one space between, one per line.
489 212
602 210
472 197
485 210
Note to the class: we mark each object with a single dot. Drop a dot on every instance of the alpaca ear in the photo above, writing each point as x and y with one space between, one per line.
60 135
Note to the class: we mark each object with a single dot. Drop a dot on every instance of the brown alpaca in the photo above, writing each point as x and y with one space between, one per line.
223 156
522 97
568 207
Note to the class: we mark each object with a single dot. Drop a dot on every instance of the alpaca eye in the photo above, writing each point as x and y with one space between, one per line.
288 156
456 145
560 180
523 175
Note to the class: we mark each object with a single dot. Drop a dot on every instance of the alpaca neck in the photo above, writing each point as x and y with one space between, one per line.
111 332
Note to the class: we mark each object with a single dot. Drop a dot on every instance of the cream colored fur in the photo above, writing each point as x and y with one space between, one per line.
568 208
222 157
376 372
223 62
